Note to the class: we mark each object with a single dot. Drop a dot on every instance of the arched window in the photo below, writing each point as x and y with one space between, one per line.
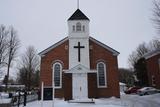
78 26
57 69
101 74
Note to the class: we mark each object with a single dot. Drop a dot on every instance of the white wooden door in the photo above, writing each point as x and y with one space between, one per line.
80 86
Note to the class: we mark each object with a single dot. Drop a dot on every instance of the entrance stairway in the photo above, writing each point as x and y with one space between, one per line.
82 101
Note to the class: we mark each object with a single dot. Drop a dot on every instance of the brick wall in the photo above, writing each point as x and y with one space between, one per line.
153 69
98 53
60 53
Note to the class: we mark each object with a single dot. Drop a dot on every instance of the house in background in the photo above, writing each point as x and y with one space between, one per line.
153 68
79 66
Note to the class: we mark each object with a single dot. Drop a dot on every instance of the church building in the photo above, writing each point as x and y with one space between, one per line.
79 66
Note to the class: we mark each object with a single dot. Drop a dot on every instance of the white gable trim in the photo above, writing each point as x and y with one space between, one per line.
151 54
115 53
53 46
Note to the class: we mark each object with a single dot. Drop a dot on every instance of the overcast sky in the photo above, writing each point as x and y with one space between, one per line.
120 24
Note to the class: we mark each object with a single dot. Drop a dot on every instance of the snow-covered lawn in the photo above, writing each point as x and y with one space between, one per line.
4 95
141 101
4 98
125 101
5 101
61 103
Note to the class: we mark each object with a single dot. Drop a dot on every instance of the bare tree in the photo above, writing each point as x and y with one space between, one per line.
30 64
136 55
132 59
154 44
156 13
141 50
13 44
3 46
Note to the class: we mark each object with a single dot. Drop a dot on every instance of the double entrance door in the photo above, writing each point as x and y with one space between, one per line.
79 86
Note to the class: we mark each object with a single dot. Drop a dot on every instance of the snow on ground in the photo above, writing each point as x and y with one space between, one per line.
61 103
5 101
125 101
155 97
4 95
4 98
141 101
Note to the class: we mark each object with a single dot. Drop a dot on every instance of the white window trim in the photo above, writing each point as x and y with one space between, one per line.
105 86
60 75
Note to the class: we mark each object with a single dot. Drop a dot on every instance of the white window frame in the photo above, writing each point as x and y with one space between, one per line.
104 75
60 75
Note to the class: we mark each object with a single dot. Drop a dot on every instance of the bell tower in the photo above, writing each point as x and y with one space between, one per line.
78 25
78 34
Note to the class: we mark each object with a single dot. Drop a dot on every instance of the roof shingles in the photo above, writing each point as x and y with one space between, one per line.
78 15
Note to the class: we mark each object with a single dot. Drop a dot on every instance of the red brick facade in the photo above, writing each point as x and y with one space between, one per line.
59 53
97 53
153 69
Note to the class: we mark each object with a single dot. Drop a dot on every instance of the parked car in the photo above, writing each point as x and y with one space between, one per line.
147 91
132 90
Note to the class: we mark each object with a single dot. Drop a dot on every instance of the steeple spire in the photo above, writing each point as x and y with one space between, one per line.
77 4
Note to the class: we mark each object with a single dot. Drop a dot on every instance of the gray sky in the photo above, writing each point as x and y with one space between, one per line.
120 24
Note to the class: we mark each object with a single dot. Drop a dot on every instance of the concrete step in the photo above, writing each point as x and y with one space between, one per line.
82 101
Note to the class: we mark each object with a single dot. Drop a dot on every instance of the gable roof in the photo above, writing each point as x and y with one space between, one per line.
116 53
78 15
151 54
53 46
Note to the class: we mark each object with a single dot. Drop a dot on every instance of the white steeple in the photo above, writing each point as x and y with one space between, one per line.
78 26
